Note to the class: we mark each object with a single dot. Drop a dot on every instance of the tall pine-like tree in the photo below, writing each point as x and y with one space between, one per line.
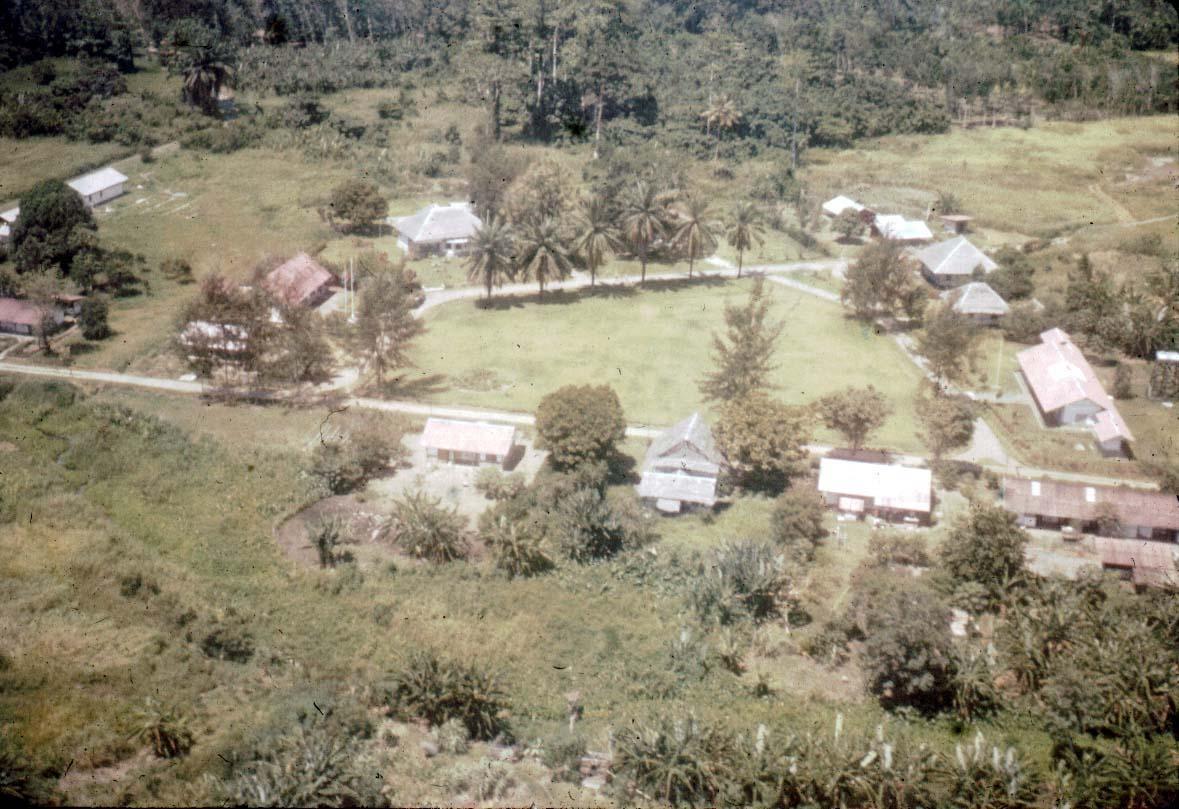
743 355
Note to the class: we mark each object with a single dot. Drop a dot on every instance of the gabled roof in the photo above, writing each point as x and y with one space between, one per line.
687 446
976 298
297 279
889 486
1063 500
474 437
228 337
681 486
955 256
10 216
895 226
837 205
1059 375
15 310
97 181
438 223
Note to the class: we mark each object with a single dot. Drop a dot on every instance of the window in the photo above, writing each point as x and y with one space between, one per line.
1035 488
1090 494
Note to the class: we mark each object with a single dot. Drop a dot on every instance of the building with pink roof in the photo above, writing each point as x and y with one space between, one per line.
1067 390
300 281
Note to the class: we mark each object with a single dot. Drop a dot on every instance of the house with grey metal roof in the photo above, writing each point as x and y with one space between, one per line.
953 262
681 468
437 230
977 301
99 186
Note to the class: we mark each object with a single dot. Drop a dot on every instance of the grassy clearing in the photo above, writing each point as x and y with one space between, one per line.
28 161
1031 181
652 346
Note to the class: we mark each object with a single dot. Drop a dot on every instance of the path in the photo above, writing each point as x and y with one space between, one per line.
1120 211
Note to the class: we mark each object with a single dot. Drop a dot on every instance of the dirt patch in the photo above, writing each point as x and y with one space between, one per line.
78 780
361 523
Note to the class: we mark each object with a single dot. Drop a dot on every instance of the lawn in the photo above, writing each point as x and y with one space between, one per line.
28 161
652 346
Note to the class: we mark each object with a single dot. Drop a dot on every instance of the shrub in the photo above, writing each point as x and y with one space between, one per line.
746 581
897 548
162 728
452 737
326 538
437 690
228 643
495 485
586 525
423 528
93 319
985 546
580 423
679 762
519 549
796 525
486 781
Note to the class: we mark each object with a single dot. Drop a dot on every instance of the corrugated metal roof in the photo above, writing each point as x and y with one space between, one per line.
895 226
1136 553
837 205
97 181
1063 500
438 223
955 256
976 298
14 310
297 279
687 445
10 216
474 437
889 486
680 486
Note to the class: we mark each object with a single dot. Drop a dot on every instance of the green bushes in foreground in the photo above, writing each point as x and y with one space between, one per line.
438 690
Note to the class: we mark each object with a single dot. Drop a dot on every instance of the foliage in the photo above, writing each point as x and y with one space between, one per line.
93 319
587 525
493 484
162 728
744 230
427 530
743 356
855 413
326 538
437 690
677 761
519 549
947 422
743 581
947 342
848 224
492 251
985 546
797 523
879 282
543 252
597 234
358 202
898 548
762 440
578 424
695 232
643 220
385 325
20 782
452 737
53 227
990 777
363 446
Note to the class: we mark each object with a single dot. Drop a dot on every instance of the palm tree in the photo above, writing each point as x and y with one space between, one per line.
493 250
596 234
695 232
642 220
744 231
204 75
722 114
543 254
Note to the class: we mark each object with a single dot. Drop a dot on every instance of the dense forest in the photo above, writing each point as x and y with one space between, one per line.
765 73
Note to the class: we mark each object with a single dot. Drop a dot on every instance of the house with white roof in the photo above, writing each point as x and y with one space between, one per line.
472 443
900 229
7 220
887 491
681 468
978 302
1068 392
953 262
837 205
99 186
437 230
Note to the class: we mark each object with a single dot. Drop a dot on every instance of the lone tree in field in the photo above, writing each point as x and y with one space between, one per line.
947 343
744 230
580 424
855 413
385 326
695 232
642 221
985 546
762 440
597 235
742 356
849 224
493 254
947 422
359 203
880 283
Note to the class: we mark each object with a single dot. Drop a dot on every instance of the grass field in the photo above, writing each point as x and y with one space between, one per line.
26 162
652 347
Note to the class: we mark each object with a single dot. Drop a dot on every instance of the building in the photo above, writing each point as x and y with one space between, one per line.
888 491
24 317
956 222
978 302
300 281
953 262
99 186
1164 376
437 230
1068 392
1078 507
1145 564
837 205
900 229
7 220
227 340
681 468
469 442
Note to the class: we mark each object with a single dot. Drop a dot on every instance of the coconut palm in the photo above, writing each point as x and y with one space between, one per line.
694 233
744 230
543 253
493 250
597 234
204 75
642 220
722 115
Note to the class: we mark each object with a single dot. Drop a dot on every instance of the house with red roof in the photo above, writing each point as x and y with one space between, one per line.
300 281
1068 392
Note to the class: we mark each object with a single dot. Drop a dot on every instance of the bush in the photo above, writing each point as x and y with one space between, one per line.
93 319
985 546
797 523
897 548
580 423
495 485
519 549
162 728
232 643
678 762
438 690
452 737
908 656
586 525
423 528
745 581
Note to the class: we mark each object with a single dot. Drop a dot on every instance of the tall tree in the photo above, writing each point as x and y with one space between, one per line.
744 230
543 254
947 343
493 254
385 326
721 116
855 413
580 424
601 46
947 423
359 203
597 234
695 232
985 547
743 357
642 220
879 282
762 440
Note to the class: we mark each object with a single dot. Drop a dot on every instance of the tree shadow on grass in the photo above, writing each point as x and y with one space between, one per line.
409 386
677 284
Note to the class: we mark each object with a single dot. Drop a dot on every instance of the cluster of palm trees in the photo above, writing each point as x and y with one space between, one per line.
645 222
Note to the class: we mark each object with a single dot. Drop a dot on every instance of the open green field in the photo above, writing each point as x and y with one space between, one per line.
1053 177
652 347
28 161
